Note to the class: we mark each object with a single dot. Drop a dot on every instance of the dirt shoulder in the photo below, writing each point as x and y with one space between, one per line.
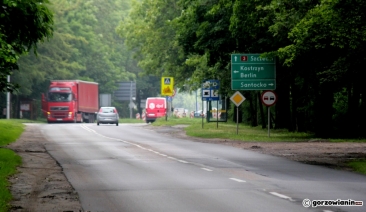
41 185
316 152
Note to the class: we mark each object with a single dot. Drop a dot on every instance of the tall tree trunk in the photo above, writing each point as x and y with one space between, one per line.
354 113
283 106
323 111
362 125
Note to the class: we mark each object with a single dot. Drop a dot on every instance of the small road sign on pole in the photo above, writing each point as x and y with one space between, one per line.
269 98
237 98
167 86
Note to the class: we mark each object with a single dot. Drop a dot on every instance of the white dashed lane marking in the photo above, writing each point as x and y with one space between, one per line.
150 150
281 196
237 180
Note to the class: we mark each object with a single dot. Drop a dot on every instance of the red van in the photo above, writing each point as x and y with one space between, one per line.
155 108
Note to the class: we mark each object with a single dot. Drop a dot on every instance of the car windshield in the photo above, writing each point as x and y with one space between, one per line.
59 97
107 110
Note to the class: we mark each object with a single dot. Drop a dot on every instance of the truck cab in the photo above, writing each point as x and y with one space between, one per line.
59 102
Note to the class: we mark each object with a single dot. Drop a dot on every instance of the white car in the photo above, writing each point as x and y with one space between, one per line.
107 115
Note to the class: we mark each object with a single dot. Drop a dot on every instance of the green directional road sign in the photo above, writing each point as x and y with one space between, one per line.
252 72
251 58
253 84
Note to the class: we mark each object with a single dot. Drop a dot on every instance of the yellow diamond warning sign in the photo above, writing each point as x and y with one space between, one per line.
237 98
167 86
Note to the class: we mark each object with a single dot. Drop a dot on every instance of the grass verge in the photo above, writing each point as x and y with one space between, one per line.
128 120
230 130
358 166
10 130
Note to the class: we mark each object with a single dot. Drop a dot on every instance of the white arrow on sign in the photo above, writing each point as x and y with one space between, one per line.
271 84
235 58
235 71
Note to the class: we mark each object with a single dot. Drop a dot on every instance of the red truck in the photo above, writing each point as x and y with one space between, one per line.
71 101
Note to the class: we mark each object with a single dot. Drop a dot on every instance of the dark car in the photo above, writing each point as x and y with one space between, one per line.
199 114
107 115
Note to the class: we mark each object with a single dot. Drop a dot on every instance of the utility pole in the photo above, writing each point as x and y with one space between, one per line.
8 102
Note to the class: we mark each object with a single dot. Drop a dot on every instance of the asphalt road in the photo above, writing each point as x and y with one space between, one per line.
129 168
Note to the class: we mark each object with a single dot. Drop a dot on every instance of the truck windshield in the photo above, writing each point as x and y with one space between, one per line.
59 97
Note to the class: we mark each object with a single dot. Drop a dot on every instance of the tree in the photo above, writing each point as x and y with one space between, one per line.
331 36
23 23
149 32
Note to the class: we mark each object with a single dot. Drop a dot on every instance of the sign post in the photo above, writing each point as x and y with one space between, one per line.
269 98
237 99
210 92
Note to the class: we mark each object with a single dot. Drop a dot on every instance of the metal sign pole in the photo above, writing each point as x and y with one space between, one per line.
217 114
237 119
8 101
202 113
166 114
269 121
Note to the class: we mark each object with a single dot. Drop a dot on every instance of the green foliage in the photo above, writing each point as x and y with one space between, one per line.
133 120
358 166
319 46
8 163
17 39
227 130
10 130
148 31
8 159
84 46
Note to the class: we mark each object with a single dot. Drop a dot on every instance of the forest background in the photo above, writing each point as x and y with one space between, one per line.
319 46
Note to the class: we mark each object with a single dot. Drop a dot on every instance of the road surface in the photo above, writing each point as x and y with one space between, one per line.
130 168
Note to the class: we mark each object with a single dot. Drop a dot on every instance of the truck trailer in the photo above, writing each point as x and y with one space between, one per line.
71 101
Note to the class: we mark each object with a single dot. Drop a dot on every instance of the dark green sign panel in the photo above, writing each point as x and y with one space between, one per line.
251 58
252 72
254 84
